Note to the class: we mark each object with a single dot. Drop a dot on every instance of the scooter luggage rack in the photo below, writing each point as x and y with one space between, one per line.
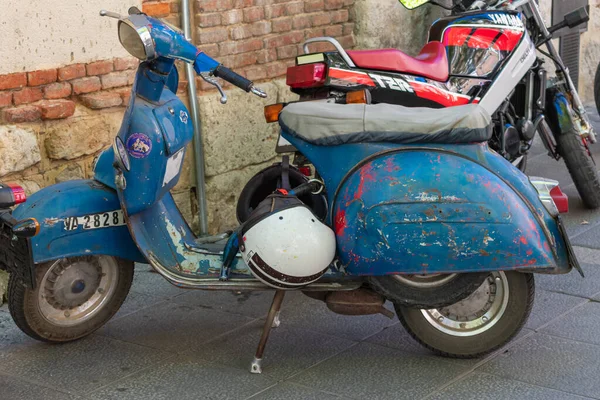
335 44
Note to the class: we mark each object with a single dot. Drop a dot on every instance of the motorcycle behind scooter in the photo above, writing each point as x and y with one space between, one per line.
424 214
485 53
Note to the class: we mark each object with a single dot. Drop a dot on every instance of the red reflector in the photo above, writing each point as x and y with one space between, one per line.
560 199
305 170
18 193
306 76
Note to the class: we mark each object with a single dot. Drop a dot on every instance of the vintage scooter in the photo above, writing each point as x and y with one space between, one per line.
424 214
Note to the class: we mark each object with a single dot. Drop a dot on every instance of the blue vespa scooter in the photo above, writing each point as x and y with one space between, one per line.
424 214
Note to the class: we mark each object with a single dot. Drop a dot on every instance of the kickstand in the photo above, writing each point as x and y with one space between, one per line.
271 322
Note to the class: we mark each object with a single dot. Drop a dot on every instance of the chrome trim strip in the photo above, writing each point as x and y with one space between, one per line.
335 44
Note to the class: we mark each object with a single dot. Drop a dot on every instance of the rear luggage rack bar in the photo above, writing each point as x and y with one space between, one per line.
335 44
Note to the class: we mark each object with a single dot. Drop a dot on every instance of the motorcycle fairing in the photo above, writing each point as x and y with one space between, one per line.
53 207
491 217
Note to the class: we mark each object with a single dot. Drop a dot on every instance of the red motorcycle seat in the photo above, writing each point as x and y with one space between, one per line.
431 62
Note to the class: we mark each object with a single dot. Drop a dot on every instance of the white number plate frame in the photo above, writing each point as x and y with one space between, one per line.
96 221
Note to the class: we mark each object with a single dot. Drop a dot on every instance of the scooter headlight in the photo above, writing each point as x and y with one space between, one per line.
137 41
121 154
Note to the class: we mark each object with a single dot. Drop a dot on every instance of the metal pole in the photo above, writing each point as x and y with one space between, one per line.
195 111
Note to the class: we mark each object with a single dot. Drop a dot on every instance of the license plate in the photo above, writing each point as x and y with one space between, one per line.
95 221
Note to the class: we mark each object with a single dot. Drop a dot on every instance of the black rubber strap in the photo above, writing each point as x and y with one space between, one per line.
285 173
235 79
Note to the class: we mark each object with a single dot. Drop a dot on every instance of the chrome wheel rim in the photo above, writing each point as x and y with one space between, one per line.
477 313
425 281
74 290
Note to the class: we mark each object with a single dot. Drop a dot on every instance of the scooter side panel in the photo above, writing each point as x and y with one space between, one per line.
55 206
334 164
433 212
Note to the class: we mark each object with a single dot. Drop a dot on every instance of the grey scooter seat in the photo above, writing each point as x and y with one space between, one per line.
329 124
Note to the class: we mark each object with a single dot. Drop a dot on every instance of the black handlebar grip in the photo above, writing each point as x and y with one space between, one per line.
235 79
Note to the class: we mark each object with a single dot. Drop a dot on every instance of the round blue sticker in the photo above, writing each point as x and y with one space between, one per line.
139 145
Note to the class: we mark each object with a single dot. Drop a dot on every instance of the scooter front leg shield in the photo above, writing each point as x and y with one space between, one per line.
166 240
77 218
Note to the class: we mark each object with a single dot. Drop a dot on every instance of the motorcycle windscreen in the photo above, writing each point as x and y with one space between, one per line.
480 49
435 211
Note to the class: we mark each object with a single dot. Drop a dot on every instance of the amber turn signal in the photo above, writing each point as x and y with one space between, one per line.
357 97
26 228
272 112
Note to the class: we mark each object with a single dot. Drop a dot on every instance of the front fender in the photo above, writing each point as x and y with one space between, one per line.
54 205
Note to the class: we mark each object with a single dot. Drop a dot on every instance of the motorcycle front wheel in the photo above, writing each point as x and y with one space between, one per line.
581 166
73 297
477 325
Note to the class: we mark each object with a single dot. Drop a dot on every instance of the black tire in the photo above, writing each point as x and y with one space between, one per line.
431 297
521 291
581 167
597 88
25 305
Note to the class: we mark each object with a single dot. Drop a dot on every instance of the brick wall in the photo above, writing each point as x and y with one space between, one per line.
53 93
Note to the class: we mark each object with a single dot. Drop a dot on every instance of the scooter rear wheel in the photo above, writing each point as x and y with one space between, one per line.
73 297
477 325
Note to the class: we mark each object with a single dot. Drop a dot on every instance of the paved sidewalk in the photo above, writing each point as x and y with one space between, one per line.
168 343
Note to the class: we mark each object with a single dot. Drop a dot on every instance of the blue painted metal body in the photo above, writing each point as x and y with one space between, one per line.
395 209
52 206
433 209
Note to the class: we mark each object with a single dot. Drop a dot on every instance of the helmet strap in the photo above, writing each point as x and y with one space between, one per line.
285 173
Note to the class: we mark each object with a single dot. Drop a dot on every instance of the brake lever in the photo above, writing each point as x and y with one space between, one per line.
105 13
213 81
258 91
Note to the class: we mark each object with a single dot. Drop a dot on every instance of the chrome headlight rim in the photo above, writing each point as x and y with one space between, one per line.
146 38
121 154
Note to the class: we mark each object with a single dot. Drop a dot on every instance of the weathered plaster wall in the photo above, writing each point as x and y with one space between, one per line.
44 34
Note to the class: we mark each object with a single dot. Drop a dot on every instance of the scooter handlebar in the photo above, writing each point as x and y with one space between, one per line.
234 78
205 64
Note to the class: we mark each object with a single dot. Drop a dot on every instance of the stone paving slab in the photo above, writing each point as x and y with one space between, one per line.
299 348
550 305
12 387
572 283
551 362
172 326
478 386
369 371
79 366
581 324
182 379
293 391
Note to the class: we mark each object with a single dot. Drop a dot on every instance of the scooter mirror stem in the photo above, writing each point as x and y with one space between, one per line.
105 13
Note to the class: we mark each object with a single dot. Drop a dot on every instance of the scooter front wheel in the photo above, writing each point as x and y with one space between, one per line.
477 325
73 297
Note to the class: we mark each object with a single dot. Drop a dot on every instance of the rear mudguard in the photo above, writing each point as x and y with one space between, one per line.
54 205
435 209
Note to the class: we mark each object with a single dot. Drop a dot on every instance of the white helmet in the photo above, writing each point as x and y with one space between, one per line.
285 245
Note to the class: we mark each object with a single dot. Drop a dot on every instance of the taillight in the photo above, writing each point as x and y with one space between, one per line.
552 197
305 170
306 76
18 193
560 199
